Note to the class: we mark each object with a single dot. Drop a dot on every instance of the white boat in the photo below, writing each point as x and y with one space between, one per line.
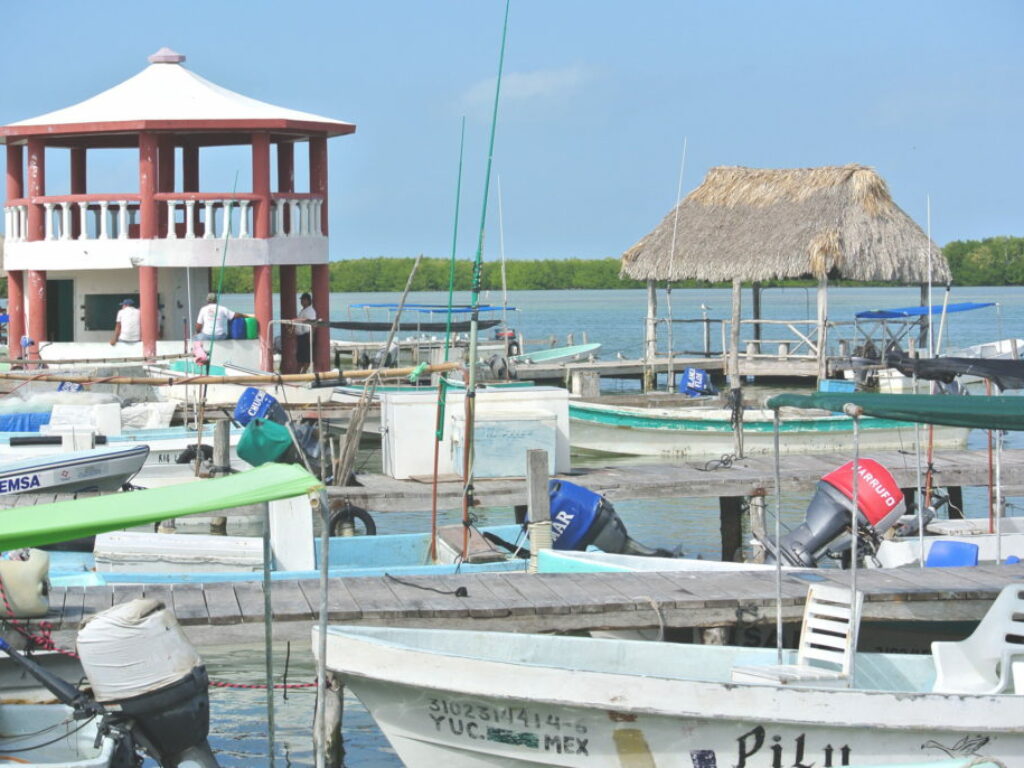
681 433
100 469
496 699
47 736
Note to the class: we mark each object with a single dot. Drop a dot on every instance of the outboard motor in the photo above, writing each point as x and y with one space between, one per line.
879 502
581 518
257 404
148 679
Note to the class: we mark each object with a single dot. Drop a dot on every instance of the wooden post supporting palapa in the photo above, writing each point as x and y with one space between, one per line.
221 466
730 511
822 328
334 708
734 365
651 338
538 503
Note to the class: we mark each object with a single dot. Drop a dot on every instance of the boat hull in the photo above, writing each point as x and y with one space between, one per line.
74 472
436 704
686 433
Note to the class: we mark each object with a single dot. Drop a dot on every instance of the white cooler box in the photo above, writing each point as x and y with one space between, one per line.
502 440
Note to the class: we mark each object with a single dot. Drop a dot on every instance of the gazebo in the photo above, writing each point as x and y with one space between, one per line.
85 249
755 224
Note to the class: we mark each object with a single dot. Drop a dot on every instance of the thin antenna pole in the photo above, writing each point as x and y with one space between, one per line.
501 251
672 255
776 425
455 239
931 342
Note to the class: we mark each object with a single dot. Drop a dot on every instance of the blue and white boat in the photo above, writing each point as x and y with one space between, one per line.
100 469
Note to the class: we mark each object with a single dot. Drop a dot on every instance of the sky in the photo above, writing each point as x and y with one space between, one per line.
597 100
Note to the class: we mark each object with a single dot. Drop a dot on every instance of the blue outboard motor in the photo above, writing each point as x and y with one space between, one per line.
257 404
581 518
696 382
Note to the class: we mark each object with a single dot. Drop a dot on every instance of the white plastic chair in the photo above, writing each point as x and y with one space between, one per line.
828 640
989 660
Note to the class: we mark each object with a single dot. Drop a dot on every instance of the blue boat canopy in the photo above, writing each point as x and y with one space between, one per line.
934 309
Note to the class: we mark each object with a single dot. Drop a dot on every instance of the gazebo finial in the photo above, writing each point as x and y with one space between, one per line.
166 56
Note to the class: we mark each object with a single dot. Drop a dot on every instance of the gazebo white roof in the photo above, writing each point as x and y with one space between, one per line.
166 94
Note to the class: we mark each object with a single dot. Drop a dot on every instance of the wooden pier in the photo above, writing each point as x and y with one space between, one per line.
750 476
227 613
562 372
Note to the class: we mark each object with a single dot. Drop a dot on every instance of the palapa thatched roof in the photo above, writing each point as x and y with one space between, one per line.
761 224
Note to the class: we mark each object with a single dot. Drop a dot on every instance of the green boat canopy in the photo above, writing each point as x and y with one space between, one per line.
976 412
65 520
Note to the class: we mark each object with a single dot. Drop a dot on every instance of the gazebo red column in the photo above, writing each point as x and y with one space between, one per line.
286 272
78 185
15 278
36 232
149 228
262 274
321 273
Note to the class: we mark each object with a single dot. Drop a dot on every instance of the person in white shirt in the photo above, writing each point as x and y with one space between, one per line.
127 325
212 321
302 338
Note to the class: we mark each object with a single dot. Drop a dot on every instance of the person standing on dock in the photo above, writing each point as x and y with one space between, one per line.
302 337
212 321
127 326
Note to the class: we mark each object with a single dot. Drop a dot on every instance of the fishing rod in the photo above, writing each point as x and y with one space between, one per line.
467 458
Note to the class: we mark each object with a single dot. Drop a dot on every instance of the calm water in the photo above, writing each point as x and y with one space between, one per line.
616 319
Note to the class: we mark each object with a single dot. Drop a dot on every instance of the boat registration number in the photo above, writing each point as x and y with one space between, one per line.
514 726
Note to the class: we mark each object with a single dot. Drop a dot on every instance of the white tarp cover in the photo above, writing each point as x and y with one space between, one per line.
134 648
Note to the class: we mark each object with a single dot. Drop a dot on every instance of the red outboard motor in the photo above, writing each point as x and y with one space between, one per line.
879 502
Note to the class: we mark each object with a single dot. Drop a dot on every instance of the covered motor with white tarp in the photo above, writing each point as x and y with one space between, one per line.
138 661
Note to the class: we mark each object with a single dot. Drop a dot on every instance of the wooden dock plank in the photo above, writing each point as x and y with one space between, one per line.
189 603
250 601
124 593
425 601
221 604
71 618
97 599
375 598
535 593
341 606
161 592
288 603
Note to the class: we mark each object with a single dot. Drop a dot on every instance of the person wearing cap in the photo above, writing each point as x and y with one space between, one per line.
212 321
127 325
306 314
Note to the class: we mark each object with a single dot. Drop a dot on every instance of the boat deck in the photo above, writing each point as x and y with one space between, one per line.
225 613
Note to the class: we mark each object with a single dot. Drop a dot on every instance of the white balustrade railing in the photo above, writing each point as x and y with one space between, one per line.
296 217
188 219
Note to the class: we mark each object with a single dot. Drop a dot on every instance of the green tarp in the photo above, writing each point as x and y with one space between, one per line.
65 520
977 412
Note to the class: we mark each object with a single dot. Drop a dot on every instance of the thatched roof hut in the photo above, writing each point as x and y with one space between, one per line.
756 224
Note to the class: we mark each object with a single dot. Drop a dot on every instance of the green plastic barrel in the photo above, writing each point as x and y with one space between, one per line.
263 441
252 328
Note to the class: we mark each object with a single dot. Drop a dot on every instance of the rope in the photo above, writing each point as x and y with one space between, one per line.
457 592
724 462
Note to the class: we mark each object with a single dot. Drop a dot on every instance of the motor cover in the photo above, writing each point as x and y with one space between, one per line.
257 404
879 498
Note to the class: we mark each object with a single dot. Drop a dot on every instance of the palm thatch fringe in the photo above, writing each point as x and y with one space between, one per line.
762 224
